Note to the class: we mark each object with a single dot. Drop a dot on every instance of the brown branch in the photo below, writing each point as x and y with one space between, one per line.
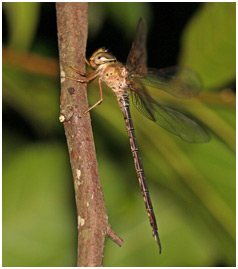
115 238
91 211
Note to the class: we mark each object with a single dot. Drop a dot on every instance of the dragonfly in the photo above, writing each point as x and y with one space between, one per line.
132 80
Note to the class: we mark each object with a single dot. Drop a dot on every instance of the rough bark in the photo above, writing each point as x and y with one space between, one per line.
91 211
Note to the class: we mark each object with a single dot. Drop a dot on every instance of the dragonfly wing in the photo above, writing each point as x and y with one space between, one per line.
166 117
141 103
181 125
137 58
180 82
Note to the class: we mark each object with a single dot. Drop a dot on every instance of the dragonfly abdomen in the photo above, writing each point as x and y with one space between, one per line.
124 104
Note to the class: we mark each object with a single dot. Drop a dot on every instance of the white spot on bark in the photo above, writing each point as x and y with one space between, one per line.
92 196
61 118
62 75
78 172
81 221
87 204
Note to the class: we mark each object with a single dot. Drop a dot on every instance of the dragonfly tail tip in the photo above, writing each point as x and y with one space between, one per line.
156 237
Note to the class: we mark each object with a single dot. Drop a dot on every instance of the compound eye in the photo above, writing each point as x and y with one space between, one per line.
101 59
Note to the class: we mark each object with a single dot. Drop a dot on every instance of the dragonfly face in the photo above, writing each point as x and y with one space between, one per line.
109 70
101 56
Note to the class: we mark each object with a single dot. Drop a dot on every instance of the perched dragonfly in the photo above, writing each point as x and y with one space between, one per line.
131 79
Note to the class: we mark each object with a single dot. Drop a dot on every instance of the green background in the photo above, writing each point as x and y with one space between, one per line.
192 186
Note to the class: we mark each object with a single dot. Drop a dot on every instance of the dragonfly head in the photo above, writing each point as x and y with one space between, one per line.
101 56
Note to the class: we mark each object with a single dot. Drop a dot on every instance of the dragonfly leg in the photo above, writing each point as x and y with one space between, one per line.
74 79
87 62
83 79
101 97
83 74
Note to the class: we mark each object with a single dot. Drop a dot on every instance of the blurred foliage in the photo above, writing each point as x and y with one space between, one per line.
192 186
209 44
22 16
131 11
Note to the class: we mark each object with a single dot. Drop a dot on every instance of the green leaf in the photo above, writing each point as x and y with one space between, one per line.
39 222
131 14
209 44
35 97
126 15
22 22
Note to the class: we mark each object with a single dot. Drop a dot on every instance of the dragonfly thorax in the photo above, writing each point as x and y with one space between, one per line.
115 75
101 56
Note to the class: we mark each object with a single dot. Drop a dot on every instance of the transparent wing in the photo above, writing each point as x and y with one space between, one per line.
137 58
166 117
180 82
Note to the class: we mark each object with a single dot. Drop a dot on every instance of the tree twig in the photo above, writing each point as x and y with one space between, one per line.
91 211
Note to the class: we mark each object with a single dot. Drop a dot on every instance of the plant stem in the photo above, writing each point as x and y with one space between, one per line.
91 211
